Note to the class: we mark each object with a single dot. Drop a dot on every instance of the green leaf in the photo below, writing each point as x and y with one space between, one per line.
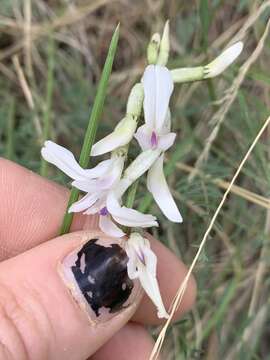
93 124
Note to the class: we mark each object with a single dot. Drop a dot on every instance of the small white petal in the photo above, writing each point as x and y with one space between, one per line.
128 217
94 185
63 159
100 170
164 89
143 136
149 103
158 87
150 259
106 180
225 59
98 205
150 285
121 136
141 164
109 227
157 185
109 143
132 268
166 128
84 203
142 264
121 187
166 141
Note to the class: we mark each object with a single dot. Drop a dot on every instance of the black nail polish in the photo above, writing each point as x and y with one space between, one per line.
99 272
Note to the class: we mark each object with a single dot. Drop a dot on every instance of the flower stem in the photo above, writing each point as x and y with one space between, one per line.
131 194
93 124
130 201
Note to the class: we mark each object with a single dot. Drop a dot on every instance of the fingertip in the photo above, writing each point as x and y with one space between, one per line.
123 344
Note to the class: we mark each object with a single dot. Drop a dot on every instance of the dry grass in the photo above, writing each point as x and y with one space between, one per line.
231 316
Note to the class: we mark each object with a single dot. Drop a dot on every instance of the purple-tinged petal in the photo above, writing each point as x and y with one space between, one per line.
104 211
143 136
84 203
98 205
154 139
109 227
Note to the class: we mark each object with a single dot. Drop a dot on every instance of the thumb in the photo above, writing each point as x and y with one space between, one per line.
65 298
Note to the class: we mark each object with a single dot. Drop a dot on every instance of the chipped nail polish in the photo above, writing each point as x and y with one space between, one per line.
97 277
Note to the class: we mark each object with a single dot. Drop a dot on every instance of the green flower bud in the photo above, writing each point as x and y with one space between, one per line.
135 100
153 49
164 48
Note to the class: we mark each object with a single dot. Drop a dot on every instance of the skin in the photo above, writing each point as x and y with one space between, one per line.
39 318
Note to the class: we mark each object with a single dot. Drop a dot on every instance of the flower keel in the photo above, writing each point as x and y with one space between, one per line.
142 264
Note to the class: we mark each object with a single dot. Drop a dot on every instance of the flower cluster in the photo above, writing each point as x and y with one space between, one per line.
105 184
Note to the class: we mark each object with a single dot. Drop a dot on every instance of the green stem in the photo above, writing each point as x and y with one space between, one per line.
130 201
131 194
211 91
47 119
93 124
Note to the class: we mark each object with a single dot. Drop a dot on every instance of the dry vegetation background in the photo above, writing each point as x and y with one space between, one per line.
51 56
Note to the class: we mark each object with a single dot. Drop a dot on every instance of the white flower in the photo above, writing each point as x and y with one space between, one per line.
158 87
100 183
142 264
156 134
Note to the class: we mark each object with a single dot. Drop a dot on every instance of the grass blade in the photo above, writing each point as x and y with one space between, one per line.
93 124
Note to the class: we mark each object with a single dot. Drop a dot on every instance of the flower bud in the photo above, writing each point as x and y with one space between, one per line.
135 100
164 45
225 59
210 70
121 136
153 49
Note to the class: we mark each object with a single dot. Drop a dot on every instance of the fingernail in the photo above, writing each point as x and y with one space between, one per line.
96 275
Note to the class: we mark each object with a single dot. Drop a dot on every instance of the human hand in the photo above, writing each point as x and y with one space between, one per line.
39 318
